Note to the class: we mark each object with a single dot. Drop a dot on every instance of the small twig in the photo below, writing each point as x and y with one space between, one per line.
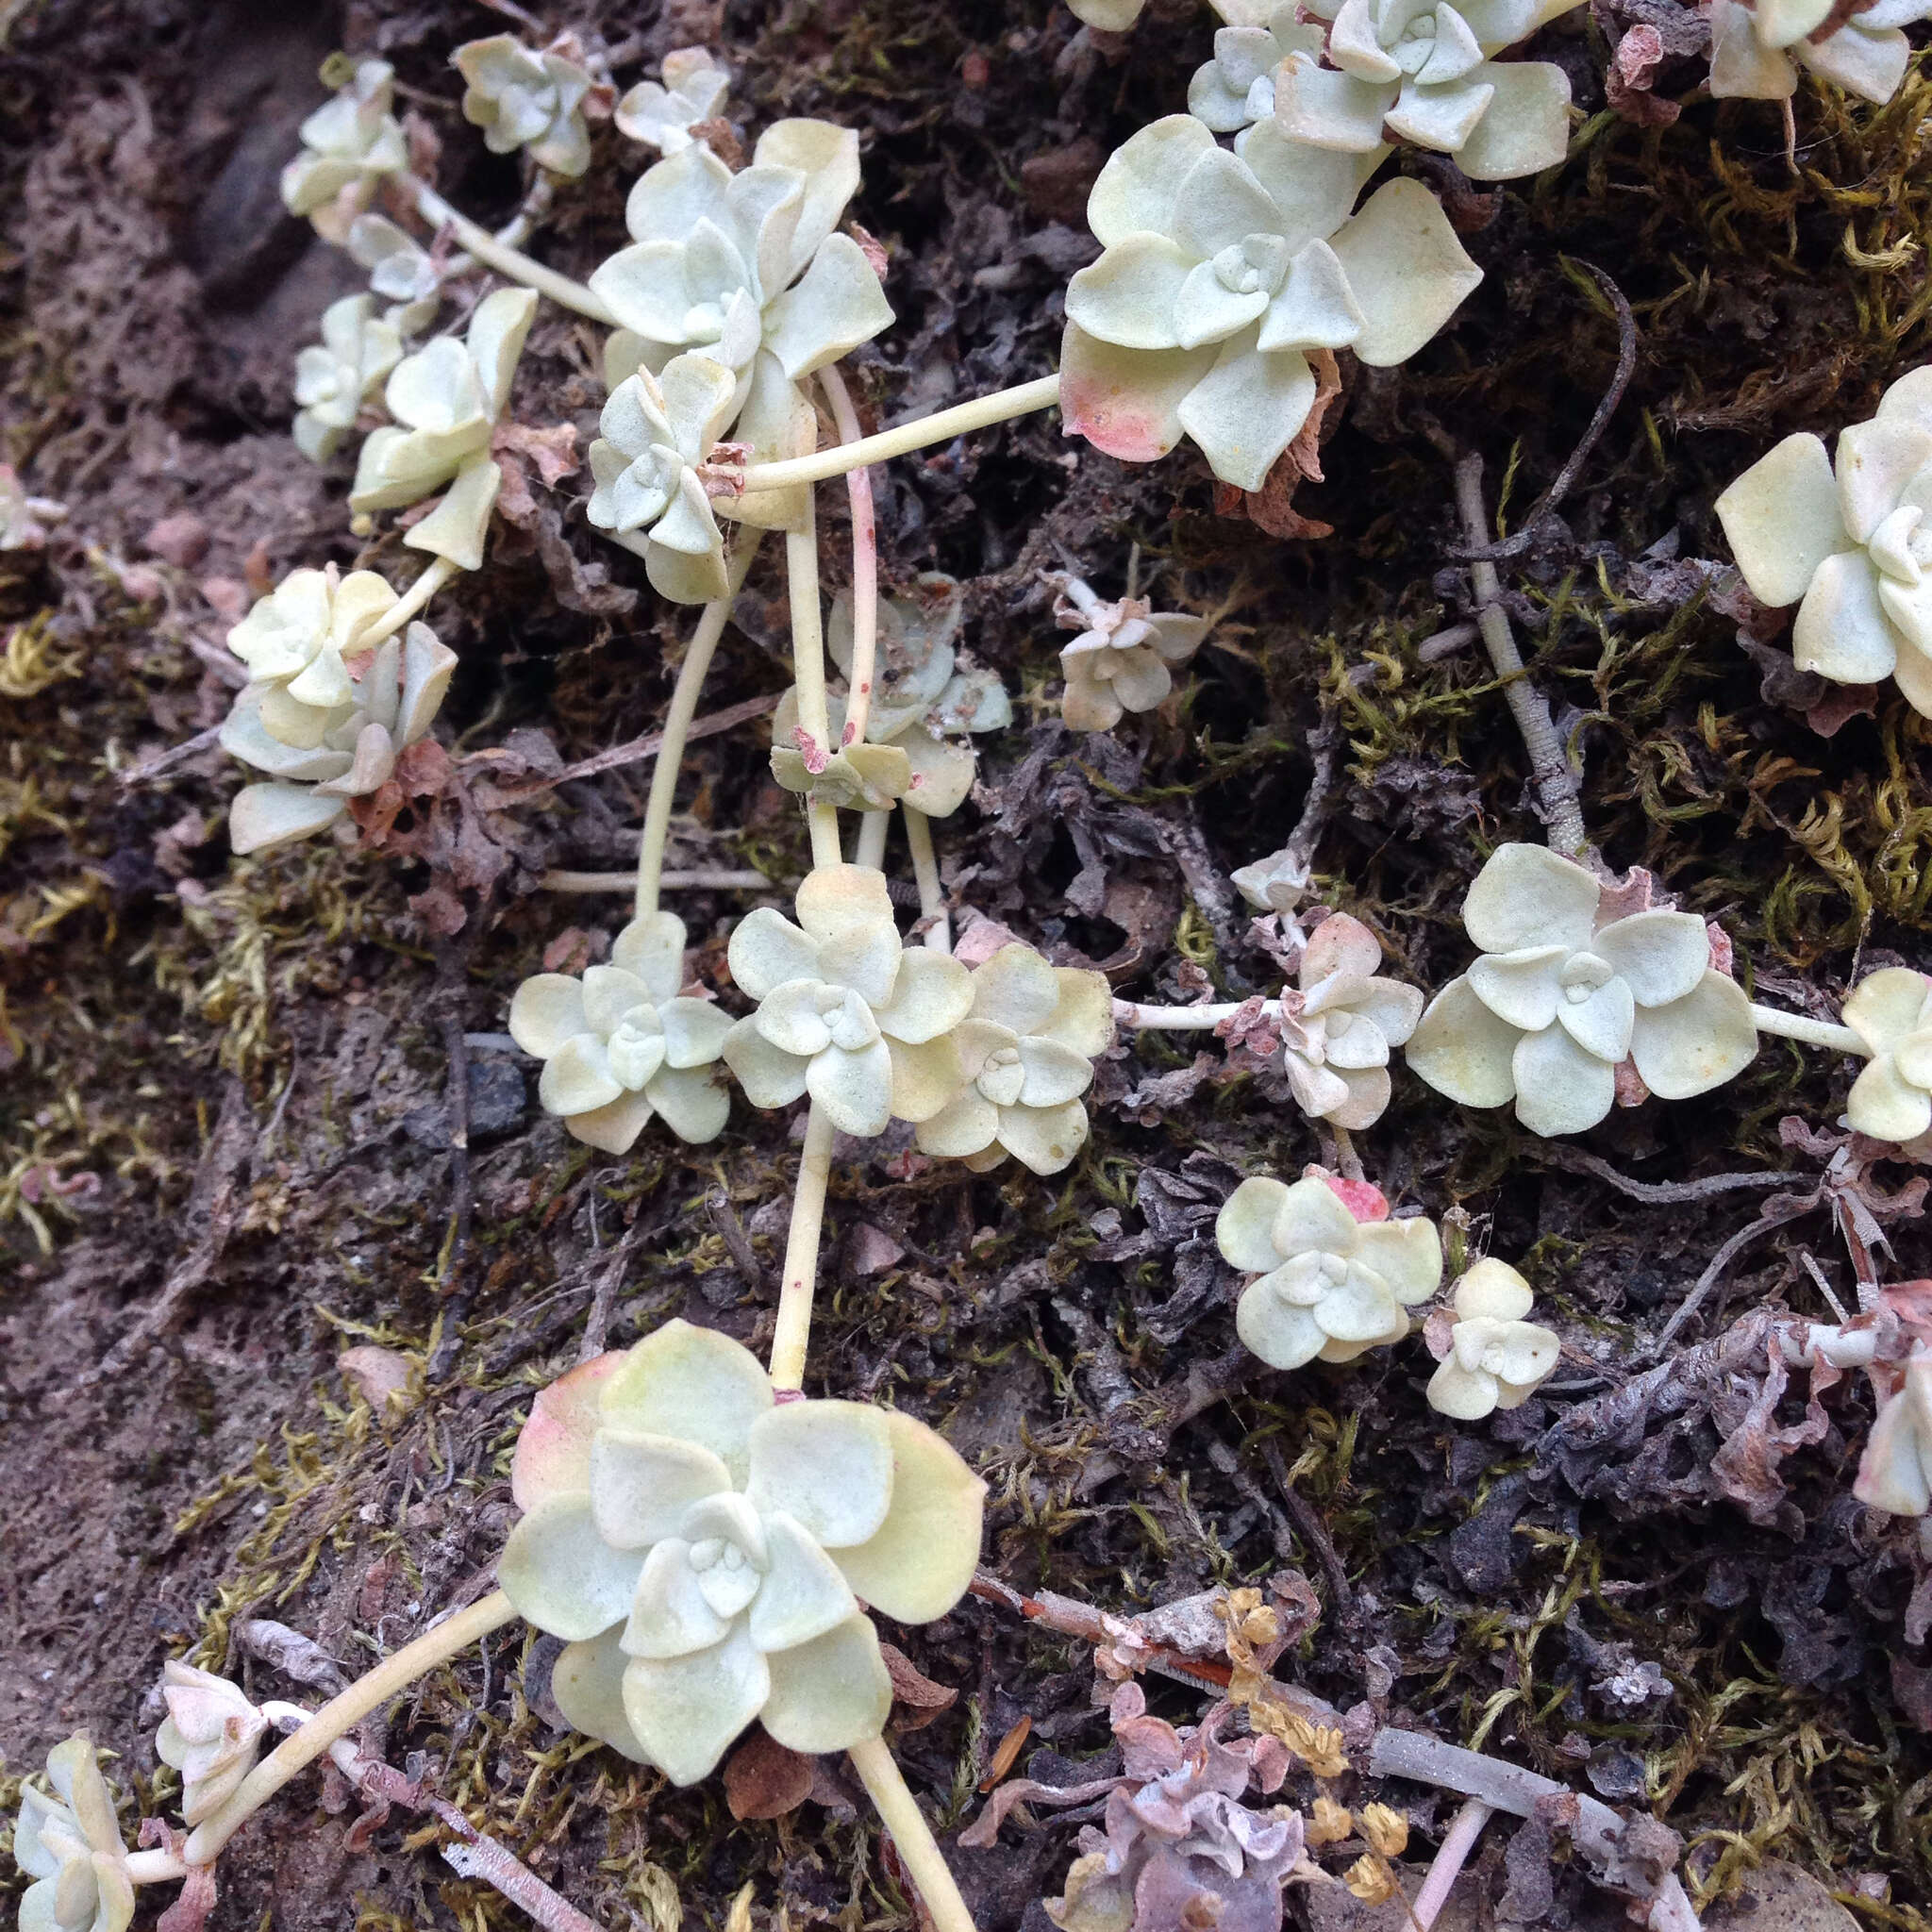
1307 1519
1657 1194
1627 366
597 1325
166 761
1323 743
634 751
737 1242
1719 1262
1445 643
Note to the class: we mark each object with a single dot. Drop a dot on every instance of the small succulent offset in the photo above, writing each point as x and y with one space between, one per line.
447 400
1890 1010
349 144
1338 1029
390 700
843 1007
401 270
1755 49
1419 70
657 429
1561 997
703 1550
210 1735
662 115
332 381
1491 1356
1854 550
1895 1470
1237 88
69 1847
296 642
521 99
1333 1276
1220 270
623 1044
1025 1052
746 267
1124 659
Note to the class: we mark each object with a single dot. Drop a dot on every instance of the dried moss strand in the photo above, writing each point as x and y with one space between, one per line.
415 599
682 707
799 1282
341 1713
921 433
808 672
919 1854
925 873
865 563
509 261
1812 1032
1556 783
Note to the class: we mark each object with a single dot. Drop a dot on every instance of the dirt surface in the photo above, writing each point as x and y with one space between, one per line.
224 1134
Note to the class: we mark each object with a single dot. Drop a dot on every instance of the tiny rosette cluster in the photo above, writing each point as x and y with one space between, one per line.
843 1006
1896 1472
1561 998
528 100
1124 659
704 1549
1326 1283
68 1846
1850 544
663 113
348 144
1757 45
1022 1057
333 381
210 1735
623 1043
1890 1010
1221 271
1494 1359
1337 1031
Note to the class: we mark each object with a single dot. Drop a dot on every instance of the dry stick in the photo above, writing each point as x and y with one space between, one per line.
678 721
1451 1856
919 1851
865 563
390 1678
1657 1194
1307 1519
1719 1262
635 750
925 872
698 881
799 1281
1556 783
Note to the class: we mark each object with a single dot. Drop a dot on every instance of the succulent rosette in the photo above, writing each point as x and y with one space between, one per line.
529 100
348 144
1756 46
704 1550
1890 1010
1337 1030
663 113
210 1735
68 1846
332 379
1895 1470
1494 1359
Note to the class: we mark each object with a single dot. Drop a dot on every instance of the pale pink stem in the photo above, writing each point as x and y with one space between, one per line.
865 563
1451 1856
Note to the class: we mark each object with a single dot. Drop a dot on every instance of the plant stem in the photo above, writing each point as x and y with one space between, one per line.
509 261
1812 1032
702 880
406 607
799 1281
919 1853
395 1675
865 564
923 431
1556 783
925 870
153 1867
871 846
1451 1856
808 672
1181 1019
685 693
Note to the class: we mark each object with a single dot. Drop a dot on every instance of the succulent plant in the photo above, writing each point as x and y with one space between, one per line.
1419 70
1328 1281
1890 1010
331 381
210 1735
296 642
657 429
447 400
1237 88
1338 1029
349 143
662 115
529 100
1277 883
1124 659
1755 49
69 1847
1491 1357
841 1004
1025 1052
1561 997
1220 270
1852 550
401 269
1895 1470
703 1550
622 1043
23 518
390 702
